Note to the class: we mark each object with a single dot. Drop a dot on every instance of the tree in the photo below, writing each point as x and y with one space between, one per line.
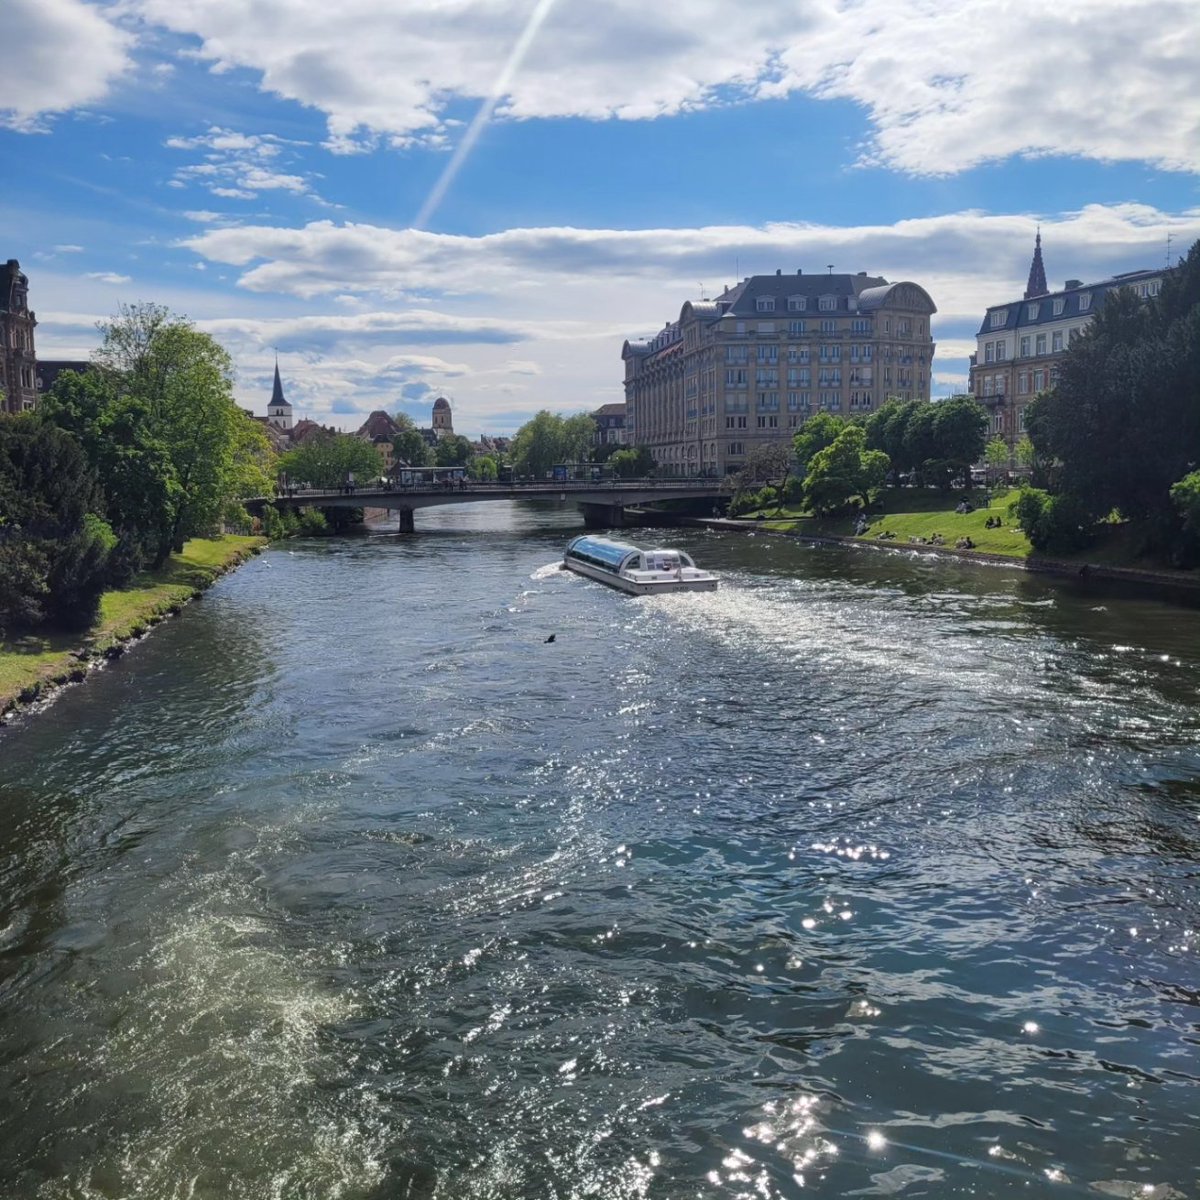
184 379
409 446
483 468
53 546
996 454
819 431
844 470
959 432
453 450
328 460
547 439
632 462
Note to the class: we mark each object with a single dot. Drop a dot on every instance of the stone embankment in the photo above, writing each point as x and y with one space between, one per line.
34 668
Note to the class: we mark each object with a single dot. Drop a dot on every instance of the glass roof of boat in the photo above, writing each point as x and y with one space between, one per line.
603 549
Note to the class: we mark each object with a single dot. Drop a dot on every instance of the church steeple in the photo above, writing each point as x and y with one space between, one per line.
1037 272
279 411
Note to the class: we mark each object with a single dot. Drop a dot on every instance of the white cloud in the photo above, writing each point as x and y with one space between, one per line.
238 166
63 54
108 277
946 86
68 249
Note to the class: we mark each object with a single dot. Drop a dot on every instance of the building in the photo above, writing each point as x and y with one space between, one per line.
18 360
610 425
752 365
443 420
380 430
47 371
279 411
1020 343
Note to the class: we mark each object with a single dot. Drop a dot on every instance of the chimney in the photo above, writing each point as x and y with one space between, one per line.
778 270
799 270
1072 284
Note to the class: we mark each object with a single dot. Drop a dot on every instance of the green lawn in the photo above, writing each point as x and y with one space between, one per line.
917 513
30 663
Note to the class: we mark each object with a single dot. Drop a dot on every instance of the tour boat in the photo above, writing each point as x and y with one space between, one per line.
631 569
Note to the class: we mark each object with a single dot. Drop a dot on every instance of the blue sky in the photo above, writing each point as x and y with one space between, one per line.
260 165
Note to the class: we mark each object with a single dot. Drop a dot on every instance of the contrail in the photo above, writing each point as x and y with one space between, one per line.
484 115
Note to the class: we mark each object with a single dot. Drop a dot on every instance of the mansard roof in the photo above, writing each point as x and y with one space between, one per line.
1039 310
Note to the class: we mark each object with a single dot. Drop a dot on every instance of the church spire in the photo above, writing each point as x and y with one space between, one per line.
277 397
1037 272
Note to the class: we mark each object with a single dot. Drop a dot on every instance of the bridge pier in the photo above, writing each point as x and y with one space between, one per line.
603 516
406 520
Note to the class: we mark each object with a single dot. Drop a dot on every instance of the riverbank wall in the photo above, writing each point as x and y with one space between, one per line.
33 668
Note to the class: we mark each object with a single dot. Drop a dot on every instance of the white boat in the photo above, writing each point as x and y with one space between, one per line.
631 569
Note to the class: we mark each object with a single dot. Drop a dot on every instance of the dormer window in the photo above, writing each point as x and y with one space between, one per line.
797 303
998 317
1031 311
1058 307
766 304
827 304
1085 301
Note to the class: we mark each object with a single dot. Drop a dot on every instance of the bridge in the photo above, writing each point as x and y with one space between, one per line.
603 503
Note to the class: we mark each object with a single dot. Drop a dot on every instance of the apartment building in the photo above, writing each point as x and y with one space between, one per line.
1020 343
754 364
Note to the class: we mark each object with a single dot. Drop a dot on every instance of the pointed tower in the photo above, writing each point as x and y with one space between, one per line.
1037 272
279 411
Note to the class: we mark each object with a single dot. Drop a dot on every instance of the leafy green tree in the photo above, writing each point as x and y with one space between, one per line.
960 434
548 439
844 470
454 450
1024 451
996 455
328 460
483 468
53 546
1057 524
409 446
819 431
184 378
632 462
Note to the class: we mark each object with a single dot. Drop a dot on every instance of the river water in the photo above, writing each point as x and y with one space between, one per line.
862 876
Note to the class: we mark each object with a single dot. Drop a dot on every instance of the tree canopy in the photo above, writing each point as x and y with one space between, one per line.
937 441
329 460
408 445
844 470
548 438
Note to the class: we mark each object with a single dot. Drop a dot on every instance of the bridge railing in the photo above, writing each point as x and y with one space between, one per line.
518 486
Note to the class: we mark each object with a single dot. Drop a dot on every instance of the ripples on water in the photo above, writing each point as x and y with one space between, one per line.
858 877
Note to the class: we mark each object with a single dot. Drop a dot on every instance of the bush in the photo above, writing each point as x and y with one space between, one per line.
1058 524
312 523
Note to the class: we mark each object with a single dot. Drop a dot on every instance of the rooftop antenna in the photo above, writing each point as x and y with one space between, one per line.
1169 236
830 266
737 268
701 289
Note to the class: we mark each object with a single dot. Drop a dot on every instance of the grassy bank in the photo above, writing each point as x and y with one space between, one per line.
911 513
36 663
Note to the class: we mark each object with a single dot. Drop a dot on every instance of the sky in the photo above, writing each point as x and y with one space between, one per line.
483 199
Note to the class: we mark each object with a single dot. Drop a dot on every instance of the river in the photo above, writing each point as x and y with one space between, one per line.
865 875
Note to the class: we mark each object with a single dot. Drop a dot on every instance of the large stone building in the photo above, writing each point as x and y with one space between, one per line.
1020 343
18 361
752 365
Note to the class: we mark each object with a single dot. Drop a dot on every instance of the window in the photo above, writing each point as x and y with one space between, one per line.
1020 420
1040 344
768 422
1153 286
828 304
799 354
797 328
1085 301
797 303
1039 381
1023 383
1001 351
828 326
1056 341
1031 311
766 327
765 304
1026 344
798 401
765 377
999 385
768 354
903 326
860 325
989 385
1059 305
997 318
737 448
989 352
735 379
768 401
737 354
1074 334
